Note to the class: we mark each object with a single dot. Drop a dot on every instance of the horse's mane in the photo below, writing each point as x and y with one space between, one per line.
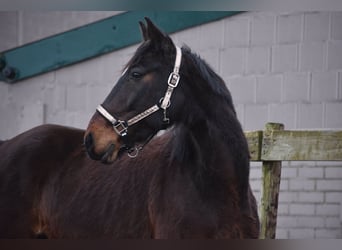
214 81
214 95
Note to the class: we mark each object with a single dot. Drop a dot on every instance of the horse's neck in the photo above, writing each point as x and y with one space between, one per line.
215 122
215 146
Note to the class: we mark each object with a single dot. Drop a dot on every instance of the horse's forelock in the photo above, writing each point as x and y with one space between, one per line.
141 50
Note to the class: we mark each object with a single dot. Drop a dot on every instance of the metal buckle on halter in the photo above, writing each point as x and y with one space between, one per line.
120 127
173 80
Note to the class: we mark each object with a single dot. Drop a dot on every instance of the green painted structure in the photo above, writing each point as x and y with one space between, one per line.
92 40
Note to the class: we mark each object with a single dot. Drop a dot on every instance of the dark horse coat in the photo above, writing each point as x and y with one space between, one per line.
191 182
49 187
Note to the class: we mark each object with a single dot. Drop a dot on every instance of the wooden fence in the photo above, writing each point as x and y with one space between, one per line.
274 145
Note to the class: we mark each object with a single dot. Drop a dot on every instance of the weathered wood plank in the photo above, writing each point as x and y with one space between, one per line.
302 146
271 176
275 145
254 140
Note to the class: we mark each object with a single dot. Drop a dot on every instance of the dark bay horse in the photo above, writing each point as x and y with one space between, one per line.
202 176
190 182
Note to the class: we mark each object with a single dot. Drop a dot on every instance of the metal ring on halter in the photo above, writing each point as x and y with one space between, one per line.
134 153
168 104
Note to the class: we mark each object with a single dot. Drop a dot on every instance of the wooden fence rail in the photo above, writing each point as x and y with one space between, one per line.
274 145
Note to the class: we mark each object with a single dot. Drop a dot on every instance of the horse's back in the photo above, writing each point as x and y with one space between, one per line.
39 140
26 162
38 146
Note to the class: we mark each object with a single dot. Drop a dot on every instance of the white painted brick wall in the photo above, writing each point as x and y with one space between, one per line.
233 61
301 184
211 56
208 35
255 115
301 233
258 60
283 113
316 26
311 197
329 92
333 172
3 94
237 32
333 114
334 55
280 67
262 29
243 89
311 173
289 172
329 185
295 87
31 114
310 115
268 89
340 86
312 56
336 24
9 121
306 222
287 197
333 197
328 233
289 28
284 58
9 32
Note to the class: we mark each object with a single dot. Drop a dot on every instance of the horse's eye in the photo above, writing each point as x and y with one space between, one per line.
136 75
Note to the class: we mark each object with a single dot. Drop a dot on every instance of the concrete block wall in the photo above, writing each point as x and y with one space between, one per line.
280 67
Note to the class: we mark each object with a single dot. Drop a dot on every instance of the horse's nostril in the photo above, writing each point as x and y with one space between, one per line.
89 145
88 141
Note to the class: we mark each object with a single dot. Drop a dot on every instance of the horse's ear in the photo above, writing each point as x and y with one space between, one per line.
156 35
143 30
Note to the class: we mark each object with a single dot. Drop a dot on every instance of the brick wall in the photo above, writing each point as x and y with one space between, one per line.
280 67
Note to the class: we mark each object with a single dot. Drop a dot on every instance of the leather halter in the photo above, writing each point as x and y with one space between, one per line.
121 126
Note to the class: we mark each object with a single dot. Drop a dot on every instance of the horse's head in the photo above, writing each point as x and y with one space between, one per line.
140 103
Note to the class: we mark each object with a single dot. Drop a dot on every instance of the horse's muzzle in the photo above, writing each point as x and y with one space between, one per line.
107 156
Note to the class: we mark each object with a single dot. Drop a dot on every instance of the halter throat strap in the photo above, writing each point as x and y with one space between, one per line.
121 127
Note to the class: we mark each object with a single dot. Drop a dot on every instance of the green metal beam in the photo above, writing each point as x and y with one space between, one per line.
92 40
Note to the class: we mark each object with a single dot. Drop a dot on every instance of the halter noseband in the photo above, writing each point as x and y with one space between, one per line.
121 126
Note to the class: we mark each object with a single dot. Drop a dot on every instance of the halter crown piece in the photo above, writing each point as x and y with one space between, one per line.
121 127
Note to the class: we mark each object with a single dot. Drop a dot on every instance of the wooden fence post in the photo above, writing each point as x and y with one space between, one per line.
271 174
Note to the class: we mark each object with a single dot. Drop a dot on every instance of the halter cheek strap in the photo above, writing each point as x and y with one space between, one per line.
121 127
173 80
